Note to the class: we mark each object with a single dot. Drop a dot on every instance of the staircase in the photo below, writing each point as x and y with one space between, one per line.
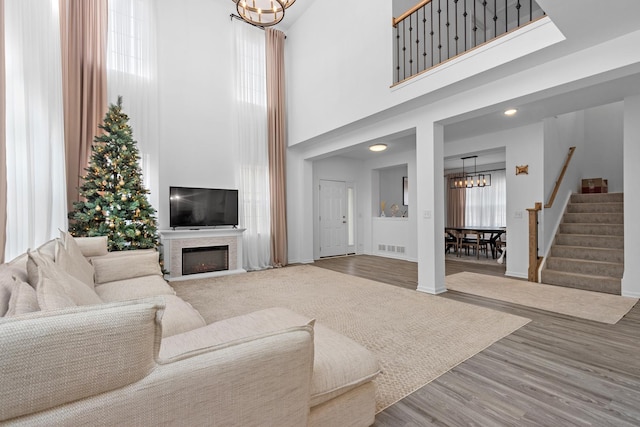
588 251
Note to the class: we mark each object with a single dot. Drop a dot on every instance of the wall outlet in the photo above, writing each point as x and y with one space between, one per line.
518 214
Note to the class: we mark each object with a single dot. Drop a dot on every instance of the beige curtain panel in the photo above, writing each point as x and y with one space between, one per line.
276 111
83 32
3 148
456 199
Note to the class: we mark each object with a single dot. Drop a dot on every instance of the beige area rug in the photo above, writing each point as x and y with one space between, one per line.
597 306
417 337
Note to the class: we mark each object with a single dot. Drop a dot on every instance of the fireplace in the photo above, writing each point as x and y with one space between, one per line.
205 259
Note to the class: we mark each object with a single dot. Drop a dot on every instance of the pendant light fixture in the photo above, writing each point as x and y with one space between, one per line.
263 13
470 180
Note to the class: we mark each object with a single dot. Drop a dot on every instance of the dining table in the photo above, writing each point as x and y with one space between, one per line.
494 233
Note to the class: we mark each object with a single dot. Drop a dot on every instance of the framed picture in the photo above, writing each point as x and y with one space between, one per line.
405 191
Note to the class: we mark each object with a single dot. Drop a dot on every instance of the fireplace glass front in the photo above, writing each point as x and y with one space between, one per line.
205 259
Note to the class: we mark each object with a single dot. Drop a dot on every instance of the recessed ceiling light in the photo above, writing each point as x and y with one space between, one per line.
378 147
510 112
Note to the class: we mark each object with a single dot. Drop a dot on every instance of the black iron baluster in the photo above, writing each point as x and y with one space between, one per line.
424 38
530 10
495 18
433 55
506 16
518 6
484 5
417 41
455 14
448 24
464 21
439 32
475 25
404 51
410 50
397 53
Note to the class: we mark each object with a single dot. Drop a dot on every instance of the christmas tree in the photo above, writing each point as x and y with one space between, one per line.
115 201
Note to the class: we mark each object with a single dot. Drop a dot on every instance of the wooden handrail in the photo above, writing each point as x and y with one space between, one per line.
559 181
402 17
534 260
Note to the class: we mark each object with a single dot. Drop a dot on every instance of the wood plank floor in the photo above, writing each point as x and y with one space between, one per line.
555 371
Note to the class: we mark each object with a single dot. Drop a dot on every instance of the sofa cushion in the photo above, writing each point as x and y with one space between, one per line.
70 259
53 358
140 287
23 299
237 328
340 364
58 289
16 268
179 316
44 255
92 246
111 269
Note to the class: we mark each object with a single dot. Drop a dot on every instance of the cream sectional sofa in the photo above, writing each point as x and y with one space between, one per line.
95 338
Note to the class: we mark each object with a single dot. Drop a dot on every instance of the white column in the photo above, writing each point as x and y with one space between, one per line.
299 208
430 207
631 150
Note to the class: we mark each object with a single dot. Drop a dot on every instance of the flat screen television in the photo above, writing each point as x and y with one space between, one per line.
202 207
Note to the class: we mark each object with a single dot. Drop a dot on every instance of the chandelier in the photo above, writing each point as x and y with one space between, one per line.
263 13
470 180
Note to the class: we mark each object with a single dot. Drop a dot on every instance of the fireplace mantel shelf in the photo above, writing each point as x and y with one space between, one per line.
174 241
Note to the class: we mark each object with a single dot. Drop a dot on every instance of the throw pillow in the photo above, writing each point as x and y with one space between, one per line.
134 264
58 289
70 257
75 264
23 299
37 258
6 287
92 246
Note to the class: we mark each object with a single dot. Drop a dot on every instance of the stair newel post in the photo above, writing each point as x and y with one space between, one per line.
533 242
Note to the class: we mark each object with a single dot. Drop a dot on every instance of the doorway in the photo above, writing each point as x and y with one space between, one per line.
337 218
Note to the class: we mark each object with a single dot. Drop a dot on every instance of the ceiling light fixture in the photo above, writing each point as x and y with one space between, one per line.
475 179
378 147
263 13
510 112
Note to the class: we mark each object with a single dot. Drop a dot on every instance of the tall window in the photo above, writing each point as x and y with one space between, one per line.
36 182
487 207
132 73
251 136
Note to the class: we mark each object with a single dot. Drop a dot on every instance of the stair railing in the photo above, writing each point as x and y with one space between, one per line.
559 181
434 31
534 259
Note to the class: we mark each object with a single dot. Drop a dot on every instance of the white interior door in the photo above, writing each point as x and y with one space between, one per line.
333 218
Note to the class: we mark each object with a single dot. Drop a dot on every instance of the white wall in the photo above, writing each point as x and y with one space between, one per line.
631 277
391 187
560 133
603 144
405 236
194 55
353 80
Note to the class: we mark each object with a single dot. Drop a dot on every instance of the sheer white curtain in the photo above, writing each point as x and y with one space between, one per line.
487 207
250 112
132 73
36 183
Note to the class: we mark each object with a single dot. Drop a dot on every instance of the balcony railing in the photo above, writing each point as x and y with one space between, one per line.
435 31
